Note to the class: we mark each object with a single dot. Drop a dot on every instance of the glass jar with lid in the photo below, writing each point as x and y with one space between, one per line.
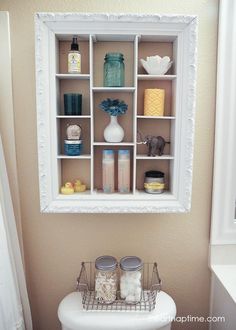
114 70
154 182
106 279
131 279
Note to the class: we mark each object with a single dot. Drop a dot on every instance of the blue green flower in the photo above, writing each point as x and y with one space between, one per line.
113 107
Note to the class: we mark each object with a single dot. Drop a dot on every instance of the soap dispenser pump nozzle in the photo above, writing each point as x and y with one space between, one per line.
74 45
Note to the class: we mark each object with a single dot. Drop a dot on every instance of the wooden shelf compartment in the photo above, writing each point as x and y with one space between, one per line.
160 84
102 119
63 46
98 152
72 169
152 165
152 45
101 48
74 86
86 135
156 128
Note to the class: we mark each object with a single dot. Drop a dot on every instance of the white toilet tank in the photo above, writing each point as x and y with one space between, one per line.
73 317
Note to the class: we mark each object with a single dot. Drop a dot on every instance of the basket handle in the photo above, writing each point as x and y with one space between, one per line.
82 281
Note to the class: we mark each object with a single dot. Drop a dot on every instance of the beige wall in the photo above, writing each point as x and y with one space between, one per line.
56 244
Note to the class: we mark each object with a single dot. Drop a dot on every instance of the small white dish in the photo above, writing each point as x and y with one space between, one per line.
156 65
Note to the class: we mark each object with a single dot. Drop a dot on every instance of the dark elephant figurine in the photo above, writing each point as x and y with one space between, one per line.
155 144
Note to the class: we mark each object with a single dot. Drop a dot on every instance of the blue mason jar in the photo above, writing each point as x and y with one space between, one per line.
114 70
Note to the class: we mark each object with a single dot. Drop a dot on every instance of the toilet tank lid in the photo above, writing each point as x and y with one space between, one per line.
72 315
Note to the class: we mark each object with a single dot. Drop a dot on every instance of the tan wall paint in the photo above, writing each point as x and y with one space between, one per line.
56 244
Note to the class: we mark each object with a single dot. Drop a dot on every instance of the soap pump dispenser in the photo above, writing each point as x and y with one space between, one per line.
74 57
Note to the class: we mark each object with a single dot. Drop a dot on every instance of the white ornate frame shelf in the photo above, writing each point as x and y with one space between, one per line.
182 32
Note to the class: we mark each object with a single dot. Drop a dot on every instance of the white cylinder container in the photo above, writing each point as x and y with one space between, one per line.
108 171
124 171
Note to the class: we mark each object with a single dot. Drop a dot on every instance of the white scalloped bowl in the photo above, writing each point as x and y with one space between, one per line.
156 65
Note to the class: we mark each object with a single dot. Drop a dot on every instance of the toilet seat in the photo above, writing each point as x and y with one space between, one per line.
73 317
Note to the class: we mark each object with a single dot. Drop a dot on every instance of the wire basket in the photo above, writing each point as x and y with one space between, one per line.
151 284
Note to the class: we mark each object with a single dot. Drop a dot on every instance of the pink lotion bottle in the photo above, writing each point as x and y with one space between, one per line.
108 171
124 171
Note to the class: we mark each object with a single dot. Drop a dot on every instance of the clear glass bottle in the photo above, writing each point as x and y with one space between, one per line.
124 171
114 70
131 279
106 279
108 171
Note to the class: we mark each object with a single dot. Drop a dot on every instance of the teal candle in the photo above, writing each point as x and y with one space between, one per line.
73 104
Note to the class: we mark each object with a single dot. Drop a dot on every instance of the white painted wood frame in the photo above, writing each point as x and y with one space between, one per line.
223 225
178 29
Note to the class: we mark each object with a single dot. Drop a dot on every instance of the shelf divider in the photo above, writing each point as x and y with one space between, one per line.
114 144
91 113
145 157
74 117
114 89
135 97
73 76
156 77
156 117
85 156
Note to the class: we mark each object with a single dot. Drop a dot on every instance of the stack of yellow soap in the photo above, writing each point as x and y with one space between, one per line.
154 100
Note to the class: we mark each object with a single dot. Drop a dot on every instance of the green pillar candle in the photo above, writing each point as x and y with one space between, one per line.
73 104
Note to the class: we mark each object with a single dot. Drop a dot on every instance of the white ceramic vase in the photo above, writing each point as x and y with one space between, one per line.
113 132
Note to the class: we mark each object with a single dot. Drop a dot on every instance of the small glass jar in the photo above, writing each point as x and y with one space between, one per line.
106 279
154 182
131 279
73 147
114 70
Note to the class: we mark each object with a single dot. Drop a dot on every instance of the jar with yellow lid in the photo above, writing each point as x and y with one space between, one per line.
154 182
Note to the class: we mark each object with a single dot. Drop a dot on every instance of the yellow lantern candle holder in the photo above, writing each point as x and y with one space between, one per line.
154 100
